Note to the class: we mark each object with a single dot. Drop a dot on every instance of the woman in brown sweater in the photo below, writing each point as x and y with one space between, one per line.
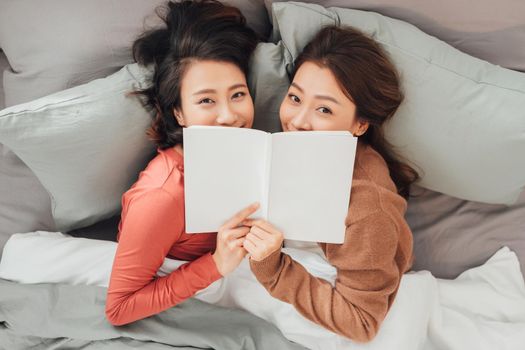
344 81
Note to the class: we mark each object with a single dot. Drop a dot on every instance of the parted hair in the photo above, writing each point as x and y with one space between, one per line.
194 30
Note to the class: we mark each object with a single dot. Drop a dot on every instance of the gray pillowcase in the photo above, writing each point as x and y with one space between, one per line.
256 15
78 41
446 125
67 43
86 144
268 82
453 235
485 29
24 203
64 52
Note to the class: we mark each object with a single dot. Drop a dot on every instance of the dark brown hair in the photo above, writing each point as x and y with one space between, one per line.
367 76
195 30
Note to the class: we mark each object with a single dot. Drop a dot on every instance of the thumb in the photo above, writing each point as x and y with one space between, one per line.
243 251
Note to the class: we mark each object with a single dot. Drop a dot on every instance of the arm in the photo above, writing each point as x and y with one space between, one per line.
154 222
367 279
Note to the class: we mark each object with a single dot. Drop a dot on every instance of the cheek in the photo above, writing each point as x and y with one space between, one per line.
350 124
285 113
251 109
199 115
336 123
246 110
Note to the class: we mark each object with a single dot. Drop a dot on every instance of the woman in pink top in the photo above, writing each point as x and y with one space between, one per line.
343 80
200 60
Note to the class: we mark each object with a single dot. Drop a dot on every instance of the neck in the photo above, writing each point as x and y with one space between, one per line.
179 149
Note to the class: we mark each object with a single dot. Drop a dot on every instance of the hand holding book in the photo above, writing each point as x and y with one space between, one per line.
230 237
262 240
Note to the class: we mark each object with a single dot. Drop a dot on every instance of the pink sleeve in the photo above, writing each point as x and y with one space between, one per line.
153 223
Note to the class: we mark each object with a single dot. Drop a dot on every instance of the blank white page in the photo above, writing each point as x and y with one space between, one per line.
223 173
310 182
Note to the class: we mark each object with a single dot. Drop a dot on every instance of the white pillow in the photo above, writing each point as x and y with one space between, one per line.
86 144
463 119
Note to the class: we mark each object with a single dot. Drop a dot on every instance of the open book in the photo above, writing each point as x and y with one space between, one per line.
302 180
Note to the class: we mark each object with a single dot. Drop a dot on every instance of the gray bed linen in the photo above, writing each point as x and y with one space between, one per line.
453 235
59 316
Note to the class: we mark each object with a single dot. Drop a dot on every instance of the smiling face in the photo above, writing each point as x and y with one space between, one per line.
316 102
215 93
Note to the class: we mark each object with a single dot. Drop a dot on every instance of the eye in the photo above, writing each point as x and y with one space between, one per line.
294 98
205 101
238 95
324 110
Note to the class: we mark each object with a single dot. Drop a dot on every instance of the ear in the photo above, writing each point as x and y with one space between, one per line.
177 113
361 128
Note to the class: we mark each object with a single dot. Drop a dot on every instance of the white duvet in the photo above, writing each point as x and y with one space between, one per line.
484 308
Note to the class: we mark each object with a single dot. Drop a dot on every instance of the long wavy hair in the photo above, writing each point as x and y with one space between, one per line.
368 77
194 30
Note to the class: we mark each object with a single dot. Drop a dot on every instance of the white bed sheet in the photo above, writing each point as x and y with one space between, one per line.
484 308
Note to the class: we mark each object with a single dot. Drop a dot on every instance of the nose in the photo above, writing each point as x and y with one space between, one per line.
301 122
227 115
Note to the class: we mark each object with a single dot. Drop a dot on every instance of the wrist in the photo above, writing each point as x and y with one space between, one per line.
259 259
266 270
273 256
218 263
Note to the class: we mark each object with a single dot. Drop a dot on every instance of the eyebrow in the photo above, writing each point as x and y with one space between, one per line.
321 97
212 91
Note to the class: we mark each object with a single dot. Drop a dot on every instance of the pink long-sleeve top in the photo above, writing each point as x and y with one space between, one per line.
151 229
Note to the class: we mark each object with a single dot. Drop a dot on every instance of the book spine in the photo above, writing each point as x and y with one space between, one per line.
267 177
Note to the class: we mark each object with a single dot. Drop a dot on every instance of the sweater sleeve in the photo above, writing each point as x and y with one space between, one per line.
367 280
153 223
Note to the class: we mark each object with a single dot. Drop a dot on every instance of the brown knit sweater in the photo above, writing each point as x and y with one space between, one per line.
376 252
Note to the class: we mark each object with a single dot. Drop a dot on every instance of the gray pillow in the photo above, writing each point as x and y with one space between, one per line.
86 145
256 15
66 43
62 44
463 119
76 42
24 203
485 29
453 235
268 82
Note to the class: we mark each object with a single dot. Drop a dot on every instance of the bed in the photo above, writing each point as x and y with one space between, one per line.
469 232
